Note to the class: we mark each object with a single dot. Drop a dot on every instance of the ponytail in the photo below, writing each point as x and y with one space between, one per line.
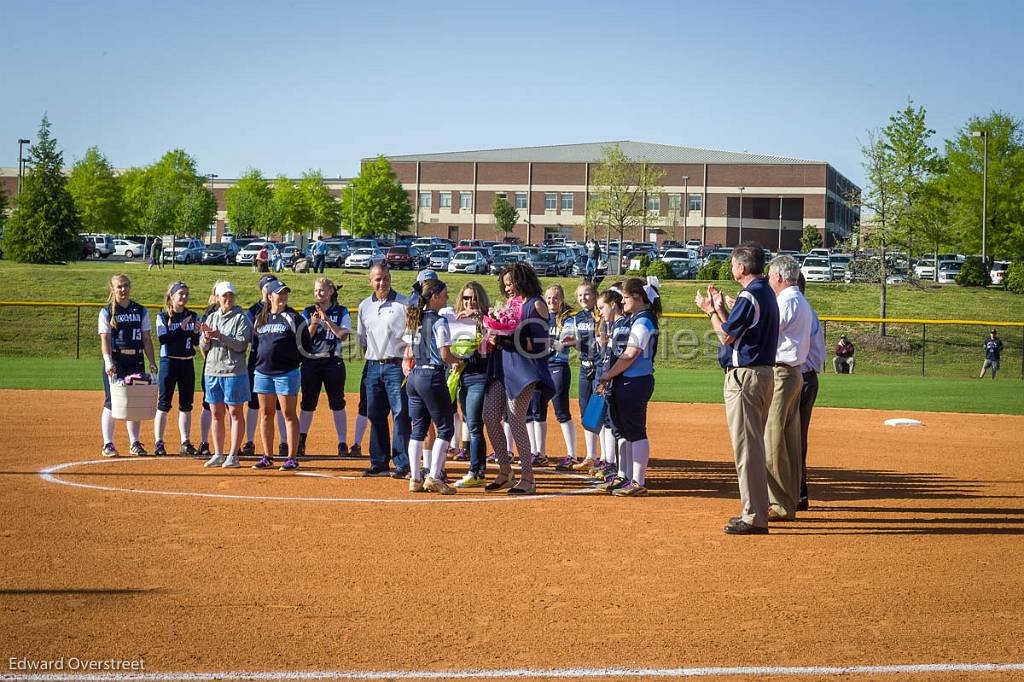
414 312
261 319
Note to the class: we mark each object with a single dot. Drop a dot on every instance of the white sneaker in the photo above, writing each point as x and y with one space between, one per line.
214 461
231 462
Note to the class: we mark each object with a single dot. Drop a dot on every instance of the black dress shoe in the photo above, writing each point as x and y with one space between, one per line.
802 505
377 471
744 528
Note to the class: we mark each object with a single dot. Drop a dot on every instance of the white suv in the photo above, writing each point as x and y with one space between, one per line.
817 269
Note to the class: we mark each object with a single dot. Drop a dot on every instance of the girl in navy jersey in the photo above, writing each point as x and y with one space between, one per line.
629 382
585 322
283 340
177 329
613 334
429 400
329 326
124 331
254 402
562 330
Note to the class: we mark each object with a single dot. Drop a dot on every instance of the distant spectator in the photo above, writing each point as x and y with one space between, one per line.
262 260
593 260
844 362
319 255
993 347
155 253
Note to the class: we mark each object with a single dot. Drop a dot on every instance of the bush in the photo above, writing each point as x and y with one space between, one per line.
707 271
725 269
973 273
1014 280
661 270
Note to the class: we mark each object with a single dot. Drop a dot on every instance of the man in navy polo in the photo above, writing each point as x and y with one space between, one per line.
380 326
749 334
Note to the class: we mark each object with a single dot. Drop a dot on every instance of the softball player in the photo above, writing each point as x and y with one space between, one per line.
283 340
562 327
613 334
586 344
124 331
329 326
177 329
254 402
631 381
427 388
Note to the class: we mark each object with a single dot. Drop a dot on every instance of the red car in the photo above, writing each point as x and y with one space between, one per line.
407 257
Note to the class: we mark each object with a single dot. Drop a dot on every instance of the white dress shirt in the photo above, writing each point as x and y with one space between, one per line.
381 325
816 355
795 320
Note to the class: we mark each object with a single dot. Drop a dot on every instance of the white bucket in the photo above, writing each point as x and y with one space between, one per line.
135 402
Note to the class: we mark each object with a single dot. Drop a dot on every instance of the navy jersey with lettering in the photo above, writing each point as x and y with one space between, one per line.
280 336
433 335
174 341
618 338
252 313
126 328
586 338
325 343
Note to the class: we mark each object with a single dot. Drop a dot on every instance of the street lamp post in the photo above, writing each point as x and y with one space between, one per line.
210 177
780 222
685 203
983 134
740 240
21 162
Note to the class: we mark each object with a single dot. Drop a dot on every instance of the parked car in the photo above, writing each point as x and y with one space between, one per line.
336 254
365 258
998 271
817 269
820 253
440 258
184 251
552 262
504 259
128 249
221 253
291 253
469 260
633 254
100 245
248 254
405 257
693 243
839 262
948 272
925 268
682 262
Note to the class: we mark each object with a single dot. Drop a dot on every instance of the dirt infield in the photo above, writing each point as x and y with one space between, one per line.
911 553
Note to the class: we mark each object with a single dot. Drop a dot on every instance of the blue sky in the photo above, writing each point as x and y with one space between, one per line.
289 86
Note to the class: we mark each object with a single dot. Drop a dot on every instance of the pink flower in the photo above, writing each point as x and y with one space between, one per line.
505 319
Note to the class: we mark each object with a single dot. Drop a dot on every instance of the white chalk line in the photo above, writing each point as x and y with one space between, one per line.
562 673
51 474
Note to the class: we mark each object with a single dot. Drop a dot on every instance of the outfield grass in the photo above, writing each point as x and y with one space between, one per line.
1003 396
948 350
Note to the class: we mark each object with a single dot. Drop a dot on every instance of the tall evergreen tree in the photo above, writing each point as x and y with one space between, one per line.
381 205
45 224
97 193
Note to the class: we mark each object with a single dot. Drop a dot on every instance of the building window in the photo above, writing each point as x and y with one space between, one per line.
501 195
567 201
520 199
424 199
654 202
550 201
695 202
674 201
465 201
446 200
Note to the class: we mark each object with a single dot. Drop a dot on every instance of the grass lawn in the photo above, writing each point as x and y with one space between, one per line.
929 394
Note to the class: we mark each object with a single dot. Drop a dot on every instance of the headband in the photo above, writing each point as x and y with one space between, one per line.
176 287
651 288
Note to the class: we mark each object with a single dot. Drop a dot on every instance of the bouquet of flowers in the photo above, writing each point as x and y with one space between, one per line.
504 320
463 346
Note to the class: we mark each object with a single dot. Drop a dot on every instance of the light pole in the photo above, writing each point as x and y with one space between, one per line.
740 240
983 134
686 203
210 177
21 162
780 222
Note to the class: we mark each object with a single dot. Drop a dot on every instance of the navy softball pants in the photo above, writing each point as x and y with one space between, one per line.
326 373
180 374
429 400
561 375
627 405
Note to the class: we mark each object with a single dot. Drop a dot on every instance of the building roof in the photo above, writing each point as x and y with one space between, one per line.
592 152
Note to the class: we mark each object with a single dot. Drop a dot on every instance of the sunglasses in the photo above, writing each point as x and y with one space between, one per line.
469 298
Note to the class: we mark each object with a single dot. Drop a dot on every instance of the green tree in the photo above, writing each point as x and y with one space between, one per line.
324 211
97 194
45 224
196 211
505 216
880 198
168 197
933 214
380 204
964 161
136 186
620 185
291 211
247 203
811 239
3 211
906 139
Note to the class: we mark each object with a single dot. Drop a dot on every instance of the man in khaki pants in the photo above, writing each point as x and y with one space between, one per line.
782 439
749 335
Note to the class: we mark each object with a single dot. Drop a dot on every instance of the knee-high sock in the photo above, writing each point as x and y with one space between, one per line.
415 452
159 425
341 424
107 426
184 426
542 437
590 439
205 424
134 431
465 431
361 422
641 451
531 434
569 435
437 457
610 448
252 418
305 420
281 427
625 458
508 435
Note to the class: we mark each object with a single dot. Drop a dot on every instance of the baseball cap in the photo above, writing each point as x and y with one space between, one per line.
425 275
224 288
277 286
267 279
